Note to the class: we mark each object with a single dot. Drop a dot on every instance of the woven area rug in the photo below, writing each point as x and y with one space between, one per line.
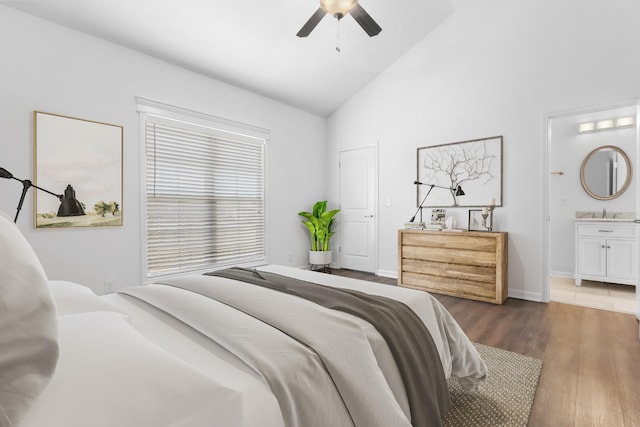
505 398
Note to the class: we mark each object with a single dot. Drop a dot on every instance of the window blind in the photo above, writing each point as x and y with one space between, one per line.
204 197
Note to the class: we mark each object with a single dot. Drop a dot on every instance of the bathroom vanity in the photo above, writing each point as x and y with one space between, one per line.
606 250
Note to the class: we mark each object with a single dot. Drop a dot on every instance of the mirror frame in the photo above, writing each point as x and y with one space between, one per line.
627 182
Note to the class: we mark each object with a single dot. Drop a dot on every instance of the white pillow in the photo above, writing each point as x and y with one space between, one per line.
73 298
109 375
28 328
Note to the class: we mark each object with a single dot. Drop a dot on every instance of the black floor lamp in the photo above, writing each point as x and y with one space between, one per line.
26 184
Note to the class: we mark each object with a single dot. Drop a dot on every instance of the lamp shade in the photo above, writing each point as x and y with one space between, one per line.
70 206
334 7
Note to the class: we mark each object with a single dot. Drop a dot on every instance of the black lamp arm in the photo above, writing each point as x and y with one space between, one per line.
437 186
458 192
423 200
26 184
29 184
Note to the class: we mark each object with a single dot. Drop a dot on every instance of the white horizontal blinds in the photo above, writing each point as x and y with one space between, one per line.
205 197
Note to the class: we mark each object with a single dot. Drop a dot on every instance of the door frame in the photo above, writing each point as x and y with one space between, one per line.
376 199
546 290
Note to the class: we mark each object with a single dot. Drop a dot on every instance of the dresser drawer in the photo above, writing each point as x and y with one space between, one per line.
607 231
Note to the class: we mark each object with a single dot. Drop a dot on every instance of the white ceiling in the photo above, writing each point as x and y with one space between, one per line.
253 44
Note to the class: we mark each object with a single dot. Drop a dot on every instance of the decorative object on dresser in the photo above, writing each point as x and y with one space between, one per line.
457 191
438 216
476 164
487 212
606 250
475 220
470 265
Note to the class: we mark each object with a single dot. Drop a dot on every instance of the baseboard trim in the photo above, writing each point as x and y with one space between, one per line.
562 274
525 295
387 273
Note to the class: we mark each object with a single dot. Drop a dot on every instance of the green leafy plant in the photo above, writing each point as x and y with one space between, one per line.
319 224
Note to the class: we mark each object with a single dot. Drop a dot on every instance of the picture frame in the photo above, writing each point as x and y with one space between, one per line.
82 160
474 165
475 220
438 216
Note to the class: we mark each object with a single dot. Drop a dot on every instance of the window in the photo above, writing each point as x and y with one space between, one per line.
204 191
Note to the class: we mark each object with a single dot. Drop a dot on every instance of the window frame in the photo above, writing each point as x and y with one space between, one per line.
168 113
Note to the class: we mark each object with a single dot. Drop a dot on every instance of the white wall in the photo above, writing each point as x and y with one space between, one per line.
496 67
566 195
50 68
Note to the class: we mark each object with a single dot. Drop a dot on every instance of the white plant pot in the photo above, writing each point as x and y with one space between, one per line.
319 257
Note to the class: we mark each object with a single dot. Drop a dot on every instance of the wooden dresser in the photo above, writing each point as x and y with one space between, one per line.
466 264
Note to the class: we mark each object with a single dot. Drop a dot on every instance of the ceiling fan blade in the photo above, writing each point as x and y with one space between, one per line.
365 20
311 23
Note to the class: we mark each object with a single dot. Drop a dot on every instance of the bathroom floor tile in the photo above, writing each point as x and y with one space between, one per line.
604 296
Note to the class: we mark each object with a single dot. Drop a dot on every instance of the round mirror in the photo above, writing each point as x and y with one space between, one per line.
606 172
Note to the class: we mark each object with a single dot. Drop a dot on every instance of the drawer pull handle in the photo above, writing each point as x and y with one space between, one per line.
605 231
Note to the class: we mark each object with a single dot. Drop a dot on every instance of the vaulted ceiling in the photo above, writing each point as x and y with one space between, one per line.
252 43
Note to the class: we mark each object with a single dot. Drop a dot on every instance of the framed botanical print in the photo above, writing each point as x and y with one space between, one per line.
473 166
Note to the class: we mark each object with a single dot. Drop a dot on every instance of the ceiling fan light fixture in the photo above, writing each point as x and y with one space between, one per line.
335 7
339 9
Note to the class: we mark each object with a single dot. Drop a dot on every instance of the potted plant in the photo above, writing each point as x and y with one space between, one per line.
319 223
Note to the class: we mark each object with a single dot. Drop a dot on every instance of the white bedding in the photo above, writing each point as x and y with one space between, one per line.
214 383
109 375
28 326
459 357
259 407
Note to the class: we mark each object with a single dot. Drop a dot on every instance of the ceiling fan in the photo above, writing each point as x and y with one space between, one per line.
338 9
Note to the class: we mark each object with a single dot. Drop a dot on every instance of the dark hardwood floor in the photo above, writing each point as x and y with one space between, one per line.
591 358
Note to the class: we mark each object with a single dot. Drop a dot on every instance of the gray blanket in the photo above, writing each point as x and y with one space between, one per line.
409 340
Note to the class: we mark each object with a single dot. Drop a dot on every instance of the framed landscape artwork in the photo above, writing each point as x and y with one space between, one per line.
474 165
82 161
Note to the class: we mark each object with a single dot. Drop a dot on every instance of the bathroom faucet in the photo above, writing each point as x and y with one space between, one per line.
604 212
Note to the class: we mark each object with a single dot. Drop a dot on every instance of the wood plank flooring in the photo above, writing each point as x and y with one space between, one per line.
591 358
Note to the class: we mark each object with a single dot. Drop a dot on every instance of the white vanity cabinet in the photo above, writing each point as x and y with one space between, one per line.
606 252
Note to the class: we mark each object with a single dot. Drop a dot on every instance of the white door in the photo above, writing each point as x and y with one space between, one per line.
358 219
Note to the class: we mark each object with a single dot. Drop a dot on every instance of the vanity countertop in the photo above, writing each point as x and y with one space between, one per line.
604 220
604 216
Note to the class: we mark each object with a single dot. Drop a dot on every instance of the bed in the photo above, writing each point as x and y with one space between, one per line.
169 354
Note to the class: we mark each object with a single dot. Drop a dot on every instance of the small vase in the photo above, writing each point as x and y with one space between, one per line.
450 222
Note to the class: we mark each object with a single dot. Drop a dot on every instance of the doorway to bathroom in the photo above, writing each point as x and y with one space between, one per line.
592 196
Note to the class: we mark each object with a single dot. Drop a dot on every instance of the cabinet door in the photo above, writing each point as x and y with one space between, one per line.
592 257
621 259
